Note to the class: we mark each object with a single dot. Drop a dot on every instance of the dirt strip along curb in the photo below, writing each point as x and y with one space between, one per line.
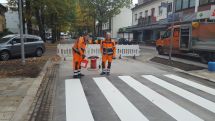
23 109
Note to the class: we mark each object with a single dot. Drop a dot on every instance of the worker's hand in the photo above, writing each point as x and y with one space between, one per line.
83 56
114 57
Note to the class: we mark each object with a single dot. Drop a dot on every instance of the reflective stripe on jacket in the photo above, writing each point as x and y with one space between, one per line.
79 46
108 47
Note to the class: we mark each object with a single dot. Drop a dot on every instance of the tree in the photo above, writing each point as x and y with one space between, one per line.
103 10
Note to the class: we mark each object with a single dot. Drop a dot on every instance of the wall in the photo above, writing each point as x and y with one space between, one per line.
124 19
148 7
12 21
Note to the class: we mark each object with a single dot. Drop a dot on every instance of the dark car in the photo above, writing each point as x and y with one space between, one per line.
123 41
10 46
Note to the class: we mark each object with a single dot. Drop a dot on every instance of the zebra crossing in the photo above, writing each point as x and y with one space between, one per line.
78 108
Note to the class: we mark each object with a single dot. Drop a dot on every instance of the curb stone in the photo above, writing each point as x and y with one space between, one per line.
25 105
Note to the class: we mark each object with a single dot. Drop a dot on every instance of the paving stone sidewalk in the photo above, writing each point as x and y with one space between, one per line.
12 92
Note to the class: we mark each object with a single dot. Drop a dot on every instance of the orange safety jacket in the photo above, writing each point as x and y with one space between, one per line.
79 46
108 47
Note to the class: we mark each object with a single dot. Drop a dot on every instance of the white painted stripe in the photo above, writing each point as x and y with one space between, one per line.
192 84
207 104
174 110
125 110
77 107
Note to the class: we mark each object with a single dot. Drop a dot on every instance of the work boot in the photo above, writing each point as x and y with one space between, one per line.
103 73
81 75
108 73
76 76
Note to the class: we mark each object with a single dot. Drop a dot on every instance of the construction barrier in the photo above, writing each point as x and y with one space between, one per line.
65 50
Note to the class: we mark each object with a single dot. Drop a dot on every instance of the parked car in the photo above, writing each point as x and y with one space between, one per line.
10 46
123 41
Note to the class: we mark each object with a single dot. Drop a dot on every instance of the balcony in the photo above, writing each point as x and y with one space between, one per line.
147 20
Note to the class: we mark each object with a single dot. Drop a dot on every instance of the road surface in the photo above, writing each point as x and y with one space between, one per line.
135 91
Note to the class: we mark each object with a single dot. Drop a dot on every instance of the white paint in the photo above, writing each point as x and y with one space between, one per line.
125 110
77 107
192 84
209 105
174 110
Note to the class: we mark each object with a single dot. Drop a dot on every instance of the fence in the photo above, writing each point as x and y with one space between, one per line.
65 50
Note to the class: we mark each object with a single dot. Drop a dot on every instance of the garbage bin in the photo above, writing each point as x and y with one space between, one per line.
211 66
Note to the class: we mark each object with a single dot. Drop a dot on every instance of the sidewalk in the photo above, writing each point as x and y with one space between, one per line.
12 92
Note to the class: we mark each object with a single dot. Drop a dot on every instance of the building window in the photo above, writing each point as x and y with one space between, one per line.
141 14
169 7
160 10
202 2
153 12
185 4
192 3
135 17
178 5
146 13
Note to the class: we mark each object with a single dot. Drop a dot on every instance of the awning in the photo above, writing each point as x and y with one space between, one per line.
149 27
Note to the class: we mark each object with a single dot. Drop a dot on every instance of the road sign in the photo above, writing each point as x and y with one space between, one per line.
212 12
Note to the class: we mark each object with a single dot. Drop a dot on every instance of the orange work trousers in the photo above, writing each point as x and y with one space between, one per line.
106 58
76 63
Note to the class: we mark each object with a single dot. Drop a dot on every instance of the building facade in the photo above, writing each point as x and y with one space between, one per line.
149 18
118 22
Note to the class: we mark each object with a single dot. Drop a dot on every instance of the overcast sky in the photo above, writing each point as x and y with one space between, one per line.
4 1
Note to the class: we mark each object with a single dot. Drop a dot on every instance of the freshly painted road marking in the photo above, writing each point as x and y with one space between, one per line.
77 107
174 110
192 84
209 105
125 110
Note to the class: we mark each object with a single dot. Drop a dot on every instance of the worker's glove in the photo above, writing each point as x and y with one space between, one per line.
83 56
114 57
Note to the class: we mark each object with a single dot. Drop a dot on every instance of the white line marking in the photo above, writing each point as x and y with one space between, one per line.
77 107
125 110
192 84
209 105
174 110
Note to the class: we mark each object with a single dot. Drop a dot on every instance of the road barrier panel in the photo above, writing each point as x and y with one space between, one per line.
65 50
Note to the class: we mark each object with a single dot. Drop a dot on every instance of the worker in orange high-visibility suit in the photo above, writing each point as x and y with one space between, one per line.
78 50
108 50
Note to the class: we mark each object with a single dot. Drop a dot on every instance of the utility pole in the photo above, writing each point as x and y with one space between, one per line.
21 32
172 31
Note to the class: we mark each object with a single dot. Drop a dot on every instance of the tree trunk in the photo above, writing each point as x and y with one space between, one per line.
28 18
40 22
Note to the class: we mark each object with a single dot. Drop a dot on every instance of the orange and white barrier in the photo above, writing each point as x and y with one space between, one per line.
65 50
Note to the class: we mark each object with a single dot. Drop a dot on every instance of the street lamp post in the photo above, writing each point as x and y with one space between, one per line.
21 32
172 31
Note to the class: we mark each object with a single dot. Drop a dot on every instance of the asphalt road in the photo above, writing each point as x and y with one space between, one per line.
135 91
